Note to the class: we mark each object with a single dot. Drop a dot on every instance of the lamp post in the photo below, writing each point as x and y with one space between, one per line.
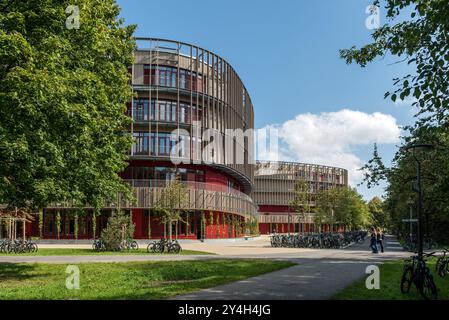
414 150
410 203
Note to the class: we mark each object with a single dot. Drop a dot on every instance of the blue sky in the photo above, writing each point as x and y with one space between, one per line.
286 53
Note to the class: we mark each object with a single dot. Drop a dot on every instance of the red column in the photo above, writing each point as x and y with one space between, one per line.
137 215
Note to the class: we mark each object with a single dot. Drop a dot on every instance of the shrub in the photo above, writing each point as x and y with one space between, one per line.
119 228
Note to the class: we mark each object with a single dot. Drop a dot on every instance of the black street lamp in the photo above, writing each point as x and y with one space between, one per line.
415 150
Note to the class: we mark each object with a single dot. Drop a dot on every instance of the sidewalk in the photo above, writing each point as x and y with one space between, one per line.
312 279
319 273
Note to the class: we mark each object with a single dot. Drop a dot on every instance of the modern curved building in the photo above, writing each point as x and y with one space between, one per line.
183 87
274 189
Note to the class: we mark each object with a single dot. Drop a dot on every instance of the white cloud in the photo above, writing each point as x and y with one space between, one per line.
329 138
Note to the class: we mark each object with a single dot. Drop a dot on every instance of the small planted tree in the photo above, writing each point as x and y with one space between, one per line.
252 226
300 202
174 197
119 228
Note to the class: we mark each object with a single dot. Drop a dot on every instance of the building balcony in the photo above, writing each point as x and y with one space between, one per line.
201 196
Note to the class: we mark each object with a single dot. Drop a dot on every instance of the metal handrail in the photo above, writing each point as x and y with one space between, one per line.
206 186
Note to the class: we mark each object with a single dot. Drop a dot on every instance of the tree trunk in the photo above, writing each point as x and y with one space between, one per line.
170 230
76 226
24 229
94 224
176 231
41 222
149 224
58 223
187 224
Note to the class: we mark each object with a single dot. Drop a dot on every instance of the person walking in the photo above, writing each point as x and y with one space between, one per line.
380 239
373 241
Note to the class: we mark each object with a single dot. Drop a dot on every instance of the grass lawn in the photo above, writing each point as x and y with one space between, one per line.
390 285
90 252
132 280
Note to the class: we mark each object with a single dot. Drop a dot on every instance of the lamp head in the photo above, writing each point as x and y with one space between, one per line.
414 148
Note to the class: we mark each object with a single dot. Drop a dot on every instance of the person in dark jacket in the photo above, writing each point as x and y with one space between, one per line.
373 241
380 239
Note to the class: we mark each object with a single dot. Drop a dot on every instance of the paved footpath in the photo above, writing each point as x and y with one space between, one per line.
317 276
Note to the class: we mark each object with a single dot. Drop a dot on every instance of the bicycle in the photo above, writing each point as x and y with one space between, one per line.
129 244
442 265
171 246
98 245
18 246
416 272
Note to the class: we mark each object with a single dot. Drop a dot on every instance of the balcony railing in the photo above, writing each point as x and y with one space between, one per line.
152 183
201 196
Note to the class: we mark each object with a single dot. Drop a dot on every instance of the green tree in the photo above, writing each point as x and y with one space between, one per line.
327 204
63 95
172 200
378 216
119 228
301 200
416 33
343 206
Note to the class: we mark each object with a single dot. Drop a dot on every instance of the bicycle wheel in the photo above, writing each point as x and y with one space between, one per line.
134 245
428 289
440 267
406 280
176 248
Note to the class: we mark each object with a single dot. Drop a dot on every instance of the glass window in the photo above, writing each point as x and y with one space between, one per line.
152 110
168 77
165 144
141 109
162 111
141 143
184 114
173 112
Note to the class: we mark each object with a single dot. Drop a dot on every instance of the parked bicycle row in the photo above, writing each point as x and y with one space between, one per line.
324 240
18 246
412 244
161 246
127 244
164 245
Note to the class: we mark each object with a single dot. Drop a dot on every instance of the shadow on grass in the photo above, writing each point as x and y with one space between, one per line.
133 280
20 272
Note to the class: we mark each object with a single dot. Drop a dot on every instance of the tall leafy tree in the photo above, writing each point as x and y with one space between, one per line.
63 94
417 33
378 216
343 206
